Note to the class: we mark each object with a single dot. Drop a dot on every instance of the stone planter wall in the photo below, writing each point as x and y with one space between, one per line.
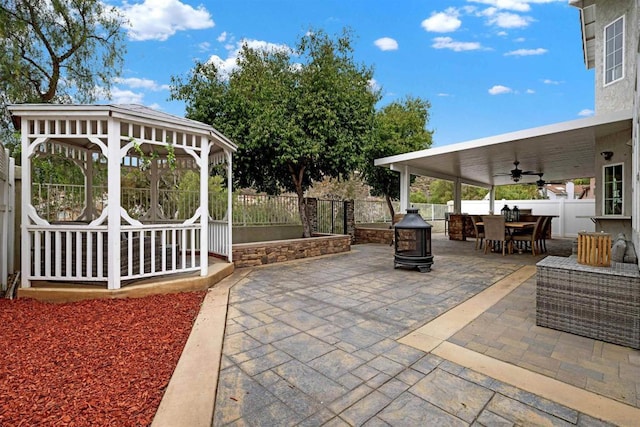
262 253
374 235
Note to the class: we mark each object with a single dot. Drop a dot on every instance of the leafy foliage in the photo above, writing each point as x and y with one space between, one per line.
400 127
518 192
57 51
297 115
442 191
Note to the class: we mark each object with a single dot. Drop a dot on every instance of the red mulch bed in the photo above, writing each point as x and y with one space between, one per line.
89 363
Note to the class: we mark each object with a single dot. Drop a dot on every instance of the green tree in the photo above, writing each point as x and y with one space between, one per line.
517 192
297 115
400 127
57 51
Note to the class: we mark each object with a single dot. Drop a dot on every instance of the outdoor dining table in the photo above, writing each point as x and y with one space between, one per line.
515 225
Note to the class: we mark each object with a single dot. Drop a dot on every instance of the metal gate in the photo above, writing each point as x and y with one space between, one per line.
331 217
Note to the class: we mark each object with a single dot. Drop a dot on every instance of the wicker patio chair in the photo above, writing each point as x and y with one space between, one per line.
479 230
495 233
532 237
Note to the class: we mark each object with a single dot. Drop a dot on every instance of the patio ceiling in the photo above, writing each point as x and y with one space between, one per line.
561 151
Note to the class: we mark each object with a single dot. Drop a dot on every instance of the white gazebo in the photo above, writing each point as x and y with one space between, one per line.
116 237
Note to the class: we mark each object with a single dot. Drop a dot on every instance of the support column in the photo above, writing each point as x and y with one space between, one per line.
204 207
113 206
229 157
457 196
405 190
492 200
348 209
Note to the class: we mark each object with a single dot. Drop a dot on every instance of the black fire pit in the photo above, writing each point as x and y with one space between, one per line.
413 242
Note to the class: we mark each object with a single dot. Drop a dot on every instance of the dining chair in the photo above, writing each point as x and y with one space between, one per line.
495 233
531 237
544 230
479 229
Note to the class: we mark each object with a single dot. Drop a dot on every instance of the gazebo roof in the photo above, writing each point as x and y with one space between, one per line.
129 112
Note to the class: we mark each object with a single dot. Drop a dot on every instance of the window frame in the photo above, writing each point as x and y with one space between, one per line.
604 189
604 48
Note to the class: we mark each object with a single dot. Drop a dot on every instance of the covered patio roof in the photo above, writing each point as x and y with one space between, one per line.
561 151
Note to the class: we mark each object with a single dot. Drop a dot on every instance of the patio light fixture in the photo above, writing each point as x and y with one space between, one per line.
607 155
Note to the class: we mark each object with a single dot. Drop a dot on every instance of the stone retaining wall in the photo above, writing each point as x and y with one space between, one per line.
261 253
374 235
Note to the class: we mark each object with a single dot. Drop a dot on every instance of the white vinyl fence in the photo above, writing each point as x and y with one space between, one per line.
7 215
573 216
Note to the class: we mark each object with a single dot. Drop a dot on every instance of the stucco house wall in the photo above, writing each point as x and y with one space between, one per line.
618 95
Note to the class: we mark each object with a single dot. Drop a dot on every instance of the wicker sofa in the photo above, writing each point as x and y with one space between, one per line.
597 302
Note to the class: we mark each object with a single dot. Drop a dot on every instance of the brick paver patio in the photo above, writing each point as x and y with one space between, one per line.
314 343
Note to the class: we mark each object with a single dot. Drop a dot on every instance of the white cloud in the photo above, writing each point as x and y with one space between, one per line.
442 22
551 82
227 65
204 46
443 94
119 96
386 43
160 19
499 90
449 43
530 91
586 113
526 52
222 37
136 83
515 5
374 86
502 33
509 20
519 40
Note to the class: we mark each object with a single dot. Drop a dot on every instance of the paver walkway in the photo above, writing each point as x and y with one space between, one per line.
315 342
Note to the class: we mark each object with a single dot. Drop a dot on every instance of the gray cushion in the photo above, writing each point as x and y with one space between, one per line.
630 255
618 250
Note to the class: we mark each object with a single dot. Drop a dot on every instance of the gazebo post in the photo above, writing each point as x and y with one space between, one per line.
153 192
204 206
88 187
26 257
113 204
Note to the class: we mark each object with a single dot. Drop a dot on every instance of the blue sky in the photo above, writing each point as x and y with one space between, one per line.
487 66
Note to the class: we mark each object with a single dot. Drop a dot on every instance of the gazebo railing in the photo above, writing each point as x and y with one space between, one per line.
78 252
219 238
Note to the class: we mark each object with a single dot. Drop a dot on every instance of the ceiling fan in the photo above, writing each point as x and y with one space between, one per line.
516 173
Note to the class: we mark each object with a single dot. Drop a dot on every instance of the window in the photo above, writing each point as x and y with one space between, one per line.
614 51
613 189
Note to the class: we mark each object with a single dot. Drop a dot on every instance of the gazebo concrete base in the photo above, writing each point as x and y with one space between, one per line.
61 292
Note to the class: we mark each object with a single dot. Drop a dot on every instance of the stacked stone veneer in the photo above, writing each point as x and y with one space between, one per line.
262 253
373 235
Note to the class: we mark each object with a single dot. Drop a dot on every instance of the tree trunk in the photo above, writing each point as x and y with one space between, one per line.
390 206
302 209
302 206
